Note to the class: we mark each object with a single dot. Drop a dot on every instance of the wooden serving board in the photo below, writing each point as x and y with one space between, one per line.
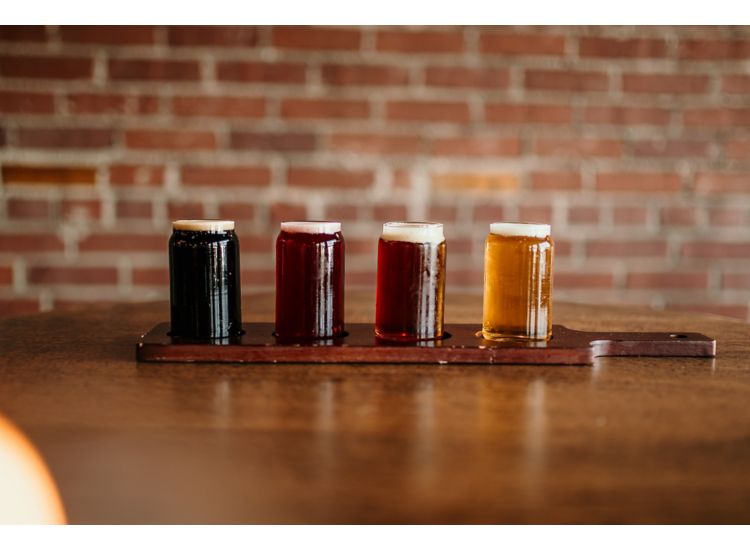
462 346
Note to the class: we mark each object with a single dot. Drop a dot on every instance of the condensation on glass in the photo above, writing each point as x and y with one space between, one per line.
310 280
410 281
518 282
204 279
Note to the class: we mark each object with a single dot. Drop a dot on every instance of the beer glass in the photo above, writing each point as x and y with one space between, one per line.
410 282
310 280
518 282
204 279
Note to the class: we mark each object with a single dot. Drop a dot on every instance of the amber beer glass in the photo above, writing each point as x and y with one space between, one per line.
310 280
204 279
518 282
411 281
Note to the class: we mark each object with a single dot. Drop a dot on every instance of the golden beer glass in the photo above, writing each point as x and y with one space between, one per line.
518 282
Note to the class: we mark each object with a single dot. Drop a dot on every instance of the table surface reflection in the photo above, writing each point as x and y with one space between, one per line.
627 440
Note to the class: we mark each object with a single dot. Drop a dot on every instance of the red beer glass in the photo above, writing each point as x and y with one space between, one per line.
410 292
310 280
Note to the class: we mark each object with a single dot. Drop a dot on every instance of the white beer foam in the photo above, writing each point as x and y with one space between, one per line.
413 232
212 226
534 230
326 228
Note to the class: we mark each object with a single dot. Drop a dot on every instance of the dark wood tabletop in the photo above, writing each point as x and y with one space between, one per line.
629 440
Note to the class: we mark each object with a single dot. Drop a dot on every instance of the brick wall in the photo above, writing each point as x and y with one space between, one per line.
633 142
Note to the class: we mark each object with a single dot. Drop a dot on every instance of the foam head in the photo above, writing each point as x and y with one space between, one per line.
413 232
533 230
210 226
325 228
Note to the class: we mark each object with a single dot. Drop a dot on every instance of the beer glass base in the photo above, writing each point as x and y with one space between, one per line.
401 337
512 337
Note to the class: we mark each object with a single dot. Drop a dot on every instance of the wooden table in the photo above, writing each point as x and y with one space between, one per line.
628 440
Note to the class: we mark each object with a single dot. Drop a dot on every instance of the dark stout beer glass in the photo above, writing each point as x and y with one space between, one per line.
518 282
411 281
310 280
204 279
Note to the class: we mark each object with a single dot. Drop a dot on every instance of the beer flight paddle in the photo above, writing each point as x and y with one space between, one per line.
206 323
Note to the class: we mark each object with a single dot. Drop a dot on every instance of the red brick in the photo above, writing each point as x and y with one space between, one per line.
578 147
237 211
256 71
52 175
736 84
639 182
221 36
668 280
736 281
328 177
360 279
252 242
401 179
385 144
678 215
178 140
91 103
6 275
586 280
535 214
18 208
629 215
488 213
510 43
46 66
715 49
65 138
555 181
443 214
154 69
343 212
591 46
324 108
738 148
124 242
281 212
716 249
626 249
133 209
389 212
224 106
18 306
427 41
26 103
81 208
260 277
428 111
477 146
465 77
464 278
226 175
516 113
665 83
718 182
185 210
671 148
30 242
23 33
583 215
147 105
315 38
728 216
573 81
364 75
116 35
72 275
717 117
626 116
150 276
134 174
726 310
272 141
363 247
